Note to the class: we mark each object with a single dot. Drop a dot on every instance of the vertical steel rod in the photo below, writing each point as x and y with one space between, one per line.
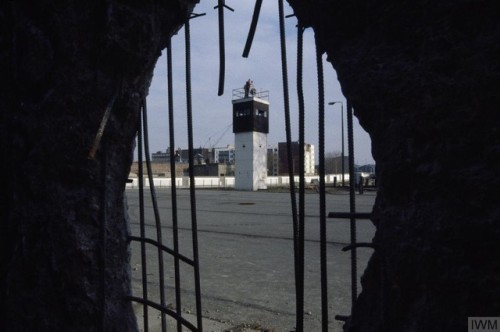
288 130
352 206
194 223
173 185
142 223
322 194
300 95
161 268
342 132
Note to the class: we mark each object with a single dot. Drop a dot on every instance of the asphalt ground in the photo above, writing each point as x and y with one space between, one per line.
246 258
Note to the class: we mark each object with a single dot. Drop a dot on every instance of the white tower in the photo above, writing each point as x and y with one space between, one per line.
250 126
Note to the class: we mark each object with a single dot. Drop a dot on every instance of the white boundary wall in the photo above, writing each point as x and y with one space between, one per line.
228 181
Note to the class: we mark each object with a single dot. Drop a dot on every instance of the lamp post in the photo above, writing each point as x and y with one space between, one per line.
342 123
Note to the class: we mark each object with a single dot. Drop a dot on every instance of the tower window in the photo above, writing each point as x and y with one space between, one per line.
244 112
261 113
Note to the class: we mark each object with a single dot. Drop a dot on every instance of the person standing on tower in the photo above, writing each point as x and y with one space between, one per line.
253 91
247 86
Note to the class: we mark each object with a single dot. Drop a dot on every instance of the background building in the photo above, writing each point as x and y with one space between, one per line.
159 169
333 164
213 170
272 161
224 155
201 156
369 168
309 161
160 156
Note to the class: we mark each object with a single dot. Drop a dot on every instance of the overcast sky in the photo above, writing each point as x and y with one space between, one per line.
212 115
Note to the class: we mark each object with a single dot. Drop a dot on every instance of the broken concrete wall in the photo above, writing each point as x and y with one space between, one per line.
61 64
423 78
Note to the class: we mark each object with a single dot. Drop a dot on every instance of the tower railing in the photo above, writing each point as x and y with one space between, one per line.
240 94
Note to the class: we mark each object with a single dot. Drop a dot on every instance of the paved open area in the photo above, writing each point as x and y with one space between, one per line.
246 257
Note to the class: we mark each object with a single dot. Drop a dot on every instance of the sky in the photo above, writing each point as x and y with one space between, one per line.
212 114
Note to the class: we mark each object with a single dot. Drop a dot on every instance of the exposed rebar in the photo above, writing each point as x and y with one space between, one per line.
352 206
142 224
253 27
165 310
173 186
222 48
322 193
192 192
301 224
288 130
161 268
102 126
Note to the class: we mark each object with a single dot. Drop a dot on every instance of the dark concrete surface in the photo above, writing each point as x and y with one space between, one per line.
246 257
422 78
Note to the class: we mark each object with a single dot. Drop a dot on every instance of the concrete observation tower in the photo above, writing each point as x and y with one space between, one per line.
250 128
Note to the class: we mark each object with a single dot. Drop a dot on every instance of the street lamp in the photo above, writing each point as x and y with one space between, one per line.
342 122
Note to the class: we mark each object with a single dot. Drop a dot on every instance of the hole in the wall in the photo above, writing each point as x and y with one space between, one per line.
211 112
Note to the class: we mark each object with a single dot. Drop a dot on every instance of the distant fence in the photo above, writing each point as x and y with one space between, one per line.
228 181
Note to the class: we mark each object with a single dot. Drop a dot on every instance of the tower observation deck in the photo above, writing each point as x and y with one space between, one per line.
239 94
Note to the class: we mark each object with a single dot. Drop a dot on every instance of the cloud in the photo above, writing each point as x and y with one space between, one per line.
211 113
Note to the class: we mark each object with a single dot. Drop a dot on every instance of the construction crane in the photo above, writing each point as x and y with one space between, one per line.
225 130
